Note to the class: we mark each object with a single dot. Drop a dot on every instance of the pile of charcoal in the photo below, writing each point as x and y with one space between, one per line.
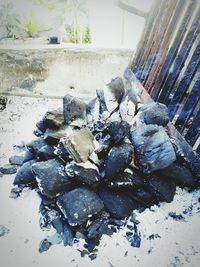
94 163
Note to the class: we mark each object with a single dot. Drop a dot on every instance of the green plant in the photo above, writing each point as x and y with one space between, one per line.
10 23
86 37
74 35
31 28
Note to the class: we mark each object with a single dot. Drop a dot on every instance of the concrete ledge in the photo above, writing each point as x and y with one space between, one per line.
57 69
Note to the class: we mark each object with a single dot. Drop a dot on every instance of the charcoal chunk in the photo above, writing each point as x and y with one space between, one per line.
79 205
118 130
164 189
128 105
25 174
51 177
46 152
28 156
8 169
154 113
128 178
40 126
118 159
3 230
35 145
68 235
176 217
44 245
52 137
74 109
16 160
153 147
62 152
102 102
113 93
53 119
134 238
3 102
118 204
97 228
144 196
179 174
85 172
92 111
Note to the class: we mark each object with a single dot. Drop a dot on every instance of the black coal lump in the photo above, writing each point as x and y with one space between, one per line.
25 174
46 152
52 137
118 130
119 157
62 152
102 102
154 113
8 169
118 204
87 173
130 178
144 196
163 188
40 126
116 87
73 108
97 228
53 119
35 145
28 156
45 244
16 160
134 238
51 177
79 205
153 147
68 235
180 174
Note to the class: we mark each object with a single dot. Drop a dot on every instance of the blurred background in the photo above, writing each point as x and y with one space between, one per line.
98 23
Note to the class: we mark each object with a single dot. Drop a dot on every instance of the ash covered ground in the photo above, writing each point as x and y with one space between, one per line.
169 233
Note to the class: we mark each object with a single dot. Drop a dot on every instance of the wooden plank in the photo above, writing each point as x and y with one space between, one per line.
194 131
157 49
182 87
160 57
189 106
180 59
150 41
148 53
145 35
173 50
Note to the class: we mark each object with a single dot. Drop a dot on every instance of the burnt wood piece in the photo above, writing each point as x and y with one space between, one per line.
146 33
180 59
181 88
189 106
194 130
157 49
174 48
164 46
148 52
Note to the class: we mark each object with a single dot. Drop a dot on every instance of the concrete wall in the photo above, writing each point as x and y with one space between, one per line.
55 71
